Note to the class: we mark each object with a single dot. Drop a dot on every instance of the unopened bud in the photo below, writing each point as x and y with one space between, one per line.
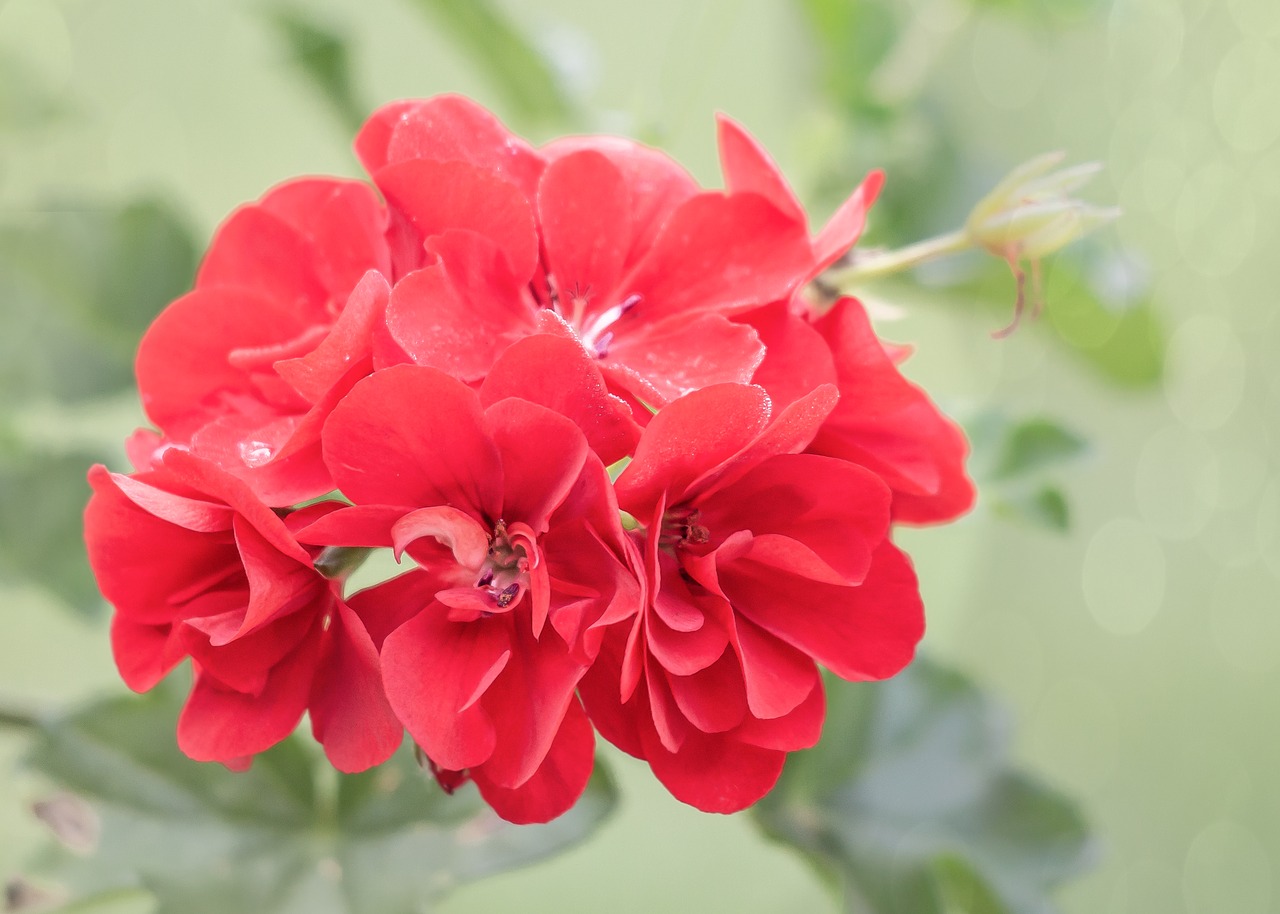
1031 214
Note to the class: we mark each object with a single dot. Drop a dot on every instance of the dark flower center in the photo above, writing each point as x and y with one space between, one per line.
504 574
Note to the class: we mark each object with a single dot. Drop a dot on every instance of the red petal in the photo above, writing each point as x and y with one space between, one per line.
350 715
887 424
797 359
528 702
673 357
383 447
343 221
260 252
584 209
865 632
193 514
438 196
748 168
715 772
842 230
599 689
457 530
218 724
837 510
800 728
719 253
656 183
184 370
542 455
385 607
558 374
687 438
203 476
558 782
144 654
277 582
778 677
434 670
124 542
446 128
713 699
350 340
460 313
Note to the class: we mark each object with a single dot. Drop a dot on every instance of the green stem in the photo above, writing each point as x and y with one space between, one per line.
18 719
878 264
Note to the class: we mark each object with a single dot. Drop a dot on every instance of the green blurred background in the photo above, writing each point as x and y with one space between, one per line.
1138 650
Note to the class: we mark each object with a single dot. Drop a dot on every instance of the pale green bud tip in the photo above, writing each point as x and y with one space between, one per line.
1031 213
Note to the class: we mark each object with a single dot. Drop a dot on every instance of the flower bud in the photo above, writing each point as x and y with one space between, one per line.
1030 214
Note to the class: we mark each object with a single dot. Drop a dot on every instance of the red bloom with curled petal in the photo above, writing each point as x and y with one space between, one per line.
243 369
511 516
197 566
758 562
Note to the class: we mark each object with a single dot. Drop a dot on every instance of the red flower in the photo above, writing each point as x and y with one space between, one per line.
463 361
612 238
197 566
243 369
512 519
882 422
759 562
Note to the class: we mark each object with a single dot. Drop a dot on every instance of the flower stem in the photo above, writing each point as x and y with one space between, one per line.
14 718
878 264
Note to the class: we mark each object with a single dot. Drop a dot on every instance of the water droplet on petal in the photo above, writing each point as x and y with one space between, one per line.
255 453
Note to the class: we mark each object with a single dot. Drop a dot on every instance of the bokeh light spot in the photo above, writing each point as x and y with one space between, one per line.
1124 576
1245 618
1216 219
1169 485
1226 871
1244 99
1205 372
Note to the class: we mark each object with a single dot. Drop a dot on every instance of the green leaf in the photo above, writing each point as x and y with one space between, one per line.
1043 507
1106 316
321 54
1096 304
25 102
42 498
852 37
1012 459
1032 445
286 837
910 804
78 285
525 76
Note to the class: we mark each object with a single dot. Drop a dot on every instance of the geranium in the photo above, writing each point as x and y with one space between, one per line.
196 566
758 561
444 365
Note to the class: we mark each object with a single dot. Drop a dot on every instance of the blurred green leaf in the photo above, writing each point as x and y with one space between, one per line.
1032 445
1042 507
910 804
1052 12
280 837
321 54
1109 322
1011 459
517 68
42 498
25 101
852 37
78 285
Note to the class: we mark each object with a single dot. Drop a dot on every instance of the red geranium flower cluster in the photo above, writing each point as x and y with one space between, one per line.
642 486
